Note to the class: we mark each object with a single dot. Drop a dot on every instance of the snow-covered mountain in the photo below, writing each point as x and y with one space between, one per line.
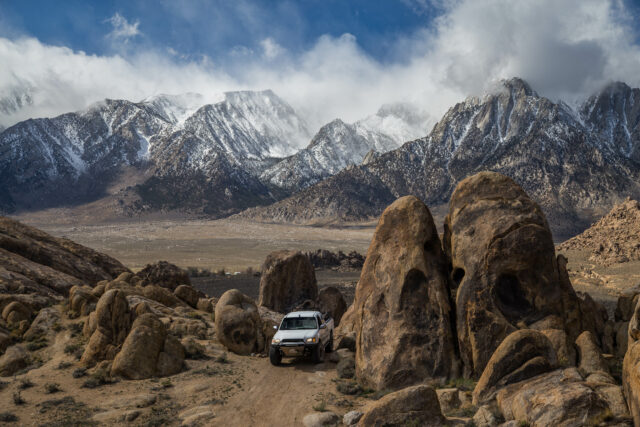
338 145
72 157
614 114
575 168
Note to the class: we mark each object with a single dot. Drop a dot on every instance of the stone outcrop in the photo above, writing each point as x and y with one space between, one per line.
401 307
106 327
238 323
163 274
148 351
557 398
631 367
43 324
288 278
521 355
417 405
82 301
188 294
504 269
36 262
14 359
330 300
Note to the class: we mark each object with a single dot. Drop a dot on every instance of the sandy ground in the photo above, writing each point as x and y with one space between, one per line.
229 244
241 391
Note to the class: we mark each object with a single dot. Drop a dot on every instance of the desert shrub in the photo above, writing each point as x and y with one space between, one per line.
320 406
79 373
223 358
17 398
64 365
99 378
76 328
37 344
25 383
52 387
8 417
74 349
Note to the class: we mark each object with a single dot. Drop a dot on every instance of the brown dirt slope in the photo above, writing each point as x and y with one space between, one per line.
615 238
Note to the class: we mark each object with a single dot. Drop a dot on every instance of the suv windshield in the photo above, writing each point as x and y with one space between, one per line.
291 323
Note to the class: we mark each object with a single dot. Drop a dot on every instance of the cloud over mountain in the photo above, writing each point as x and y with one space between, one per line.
565 49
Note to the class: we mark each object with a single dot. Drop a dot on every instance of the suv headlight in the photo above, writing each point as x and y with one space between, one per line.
311 340
275 341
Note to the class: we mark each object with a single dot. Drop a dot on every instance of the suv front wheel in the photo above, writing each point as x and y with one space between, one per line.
275 357
318 353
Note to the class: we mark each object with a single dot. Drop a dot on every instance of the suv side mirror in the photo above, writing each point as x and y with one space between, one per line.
275 327
323 326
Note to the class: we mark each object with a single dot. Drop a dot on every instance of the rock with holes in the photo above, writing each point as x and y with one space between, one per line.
238 323
504 267
402 307
288 278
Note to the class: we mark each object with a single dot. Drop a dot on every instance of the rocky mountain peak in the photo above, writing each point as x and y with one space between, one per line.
519 87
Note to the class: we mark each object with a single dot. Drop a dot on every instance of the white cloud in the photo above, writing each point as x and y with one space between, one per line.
564 49
122 29
271 49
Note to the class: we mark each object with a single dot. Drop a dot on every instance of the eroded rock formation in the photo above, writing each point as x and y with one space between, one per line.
401 307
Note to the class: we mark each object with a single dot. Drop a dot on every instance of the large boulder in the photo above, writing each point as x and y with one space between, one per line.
330 300
188 294
557 398
163 274
591 360
107 327
148 351
288 278
14 359
504 269
82 301
162 295
631 366
238 323
43 323
523 354
16 312
402 307
417 405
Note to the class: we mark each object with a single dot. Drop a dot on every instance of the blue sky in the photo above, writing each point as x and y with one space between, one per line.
329 59
219 29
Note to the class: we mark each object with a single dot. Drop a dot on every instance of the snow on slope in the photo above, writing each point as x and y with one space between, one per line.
338 145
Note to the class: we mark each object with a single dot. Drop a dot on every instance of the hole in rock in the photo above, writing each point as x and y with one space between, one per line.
457 276
511 298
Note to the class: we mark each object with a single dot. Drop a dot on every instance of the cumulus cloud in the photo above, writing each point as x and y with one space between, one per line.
122 29
566 50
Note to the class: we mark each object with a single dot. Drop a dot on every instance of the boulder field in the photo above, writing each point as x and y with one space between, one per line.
479 327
